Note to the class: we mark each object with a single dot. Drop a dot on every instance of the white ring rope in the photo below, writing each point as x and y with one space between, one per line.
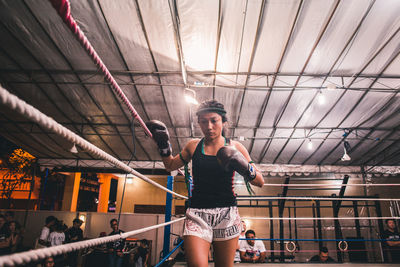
319 219
47 122
317 198
322 185
38 254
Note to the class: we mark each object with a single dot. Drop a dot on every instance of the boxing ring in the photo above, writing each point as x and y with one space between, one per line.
286 245
48 123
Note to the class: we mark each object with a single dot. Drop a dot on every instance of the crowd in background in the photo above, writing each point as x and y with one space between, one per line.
119 253
10 234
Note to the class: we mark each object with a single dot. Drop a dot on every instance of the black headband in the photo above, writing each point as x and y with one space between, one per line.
220 111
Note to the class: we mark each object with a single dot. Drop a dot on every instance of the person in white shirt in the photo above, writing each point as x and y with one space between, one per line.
45 232
252 250
242 235
57 237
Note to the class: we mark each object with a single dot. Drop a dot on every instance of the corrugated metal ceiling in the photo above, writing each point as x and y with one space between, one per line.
268 62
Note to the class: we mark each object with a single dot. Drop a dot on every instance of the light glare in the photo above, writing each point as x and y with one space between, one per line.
191 100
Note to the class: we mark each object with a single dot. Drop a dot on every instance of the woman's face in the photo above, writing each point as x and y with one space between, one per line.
211 125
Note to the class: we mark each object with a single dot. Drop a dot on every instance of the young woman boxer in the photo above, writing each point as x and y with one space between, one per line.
212 216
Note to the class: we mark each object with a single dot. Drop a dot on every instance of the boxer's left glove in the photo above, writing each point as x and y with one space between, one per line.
232 160
161 136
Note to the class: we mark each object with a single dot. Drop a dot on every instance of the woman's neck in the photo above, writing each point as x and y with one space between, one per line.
214 141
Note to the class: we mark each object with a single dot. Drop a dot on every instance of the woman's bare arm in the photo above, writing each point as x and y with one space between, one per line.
259 180
172 163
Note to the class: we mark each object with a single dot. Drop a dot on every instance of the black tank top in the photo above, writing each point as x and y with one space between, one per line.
212 185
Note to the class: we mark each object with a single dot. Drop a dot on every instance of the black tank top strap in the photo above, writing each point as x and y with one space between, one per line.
227 141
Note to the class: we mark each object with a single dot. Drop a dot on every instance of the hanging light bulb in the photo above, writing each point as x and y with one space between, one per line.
309 144
347 147
73 149
321 98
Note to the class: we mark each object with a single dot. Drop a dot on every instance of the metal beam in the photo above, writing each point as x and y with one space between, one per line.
329 74
286 103
278 67
207 73
253 52
155 66
43 145
99 107
354 79
255 88
219 30
371 131
58 88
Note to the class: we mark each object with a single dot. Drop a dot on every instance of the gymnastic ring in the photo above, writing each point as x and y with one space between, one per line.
287 246
345 247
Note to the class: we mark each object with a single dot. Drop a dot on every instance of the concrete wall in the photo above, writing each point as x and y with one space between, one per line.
143 193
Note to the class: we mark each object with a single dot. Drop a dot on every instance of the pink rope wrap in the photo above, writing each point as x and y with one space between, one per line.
64 10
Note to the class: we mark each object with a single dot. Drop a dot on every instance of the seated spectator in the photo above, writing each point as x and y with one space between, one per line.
9 215
142 253
45 232
392 243
49 262
57 237
115 254
4 237
252 250
74 234
15 236
322 257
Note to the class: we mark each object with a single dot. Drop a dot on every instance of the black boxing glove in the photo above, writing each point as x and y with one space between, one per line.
232 160
161 136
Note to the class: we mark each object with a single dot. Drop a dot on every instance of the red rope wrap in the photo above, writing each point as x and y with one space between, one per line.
64 10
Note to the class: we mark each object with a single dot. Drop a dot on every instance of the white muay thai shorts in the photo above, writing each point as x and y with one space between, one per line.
216 224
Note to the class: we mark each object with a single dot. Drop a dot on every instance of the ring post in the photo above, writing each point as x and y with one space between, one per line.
168 209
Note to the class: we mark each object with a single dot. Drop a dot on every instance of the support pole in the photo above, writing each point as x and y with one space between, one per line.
371 233
168 211
295 224
281 204
357 221
381 229
271 232
319 223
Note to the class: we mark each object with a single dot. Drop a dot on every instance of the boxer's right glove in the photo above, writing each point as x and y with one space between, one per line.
232 160
161 136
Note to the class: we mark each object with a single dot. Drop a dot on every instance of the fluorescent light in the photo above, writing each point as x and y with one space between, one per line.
191 99
190 96
321 98
310 145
